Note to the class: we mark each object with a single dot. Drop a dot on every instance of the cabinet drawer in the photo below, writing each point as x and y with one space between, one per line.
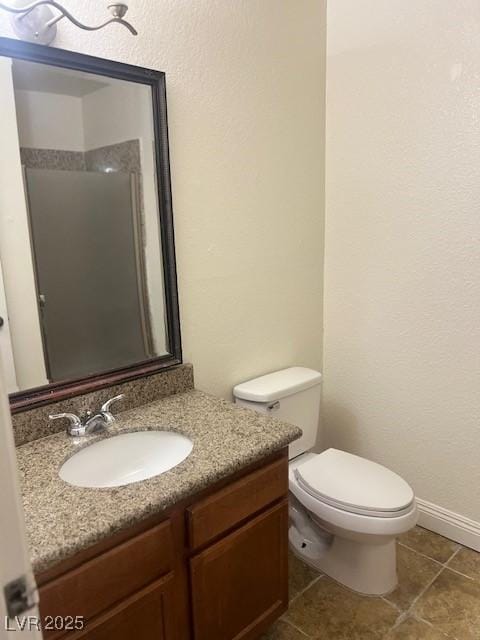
143 616
112 576
240 584
223 510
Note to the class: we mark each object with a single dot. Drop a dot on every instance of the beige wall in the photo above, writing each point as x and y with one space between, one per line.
402 270
17 266
246 103
49 120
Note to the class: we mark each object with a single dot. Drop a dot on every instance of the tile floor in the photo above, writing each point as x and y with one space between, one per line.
438 598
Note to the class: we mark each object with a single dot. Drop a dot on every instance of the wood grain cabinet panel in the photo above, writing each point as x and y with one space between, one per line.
226 508
144 616
239 585
112 576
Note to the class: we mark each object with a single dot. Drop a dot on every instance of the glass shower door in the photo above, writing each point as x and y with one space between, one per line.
87 248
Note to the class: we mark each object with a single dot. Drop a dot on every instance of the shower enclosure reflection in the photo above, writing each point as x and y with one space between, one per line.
99 299
81 256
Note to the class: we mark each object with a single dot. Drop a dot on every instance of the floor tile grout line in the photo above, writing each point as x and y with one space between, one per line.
453 556
300 593
446 564
402 616
450 568
411 608
459 573
429 624
294 626
409 612
424 555
392 604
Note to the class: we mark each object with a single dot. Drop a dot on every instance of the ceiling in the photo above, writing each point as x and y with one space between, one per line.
32 76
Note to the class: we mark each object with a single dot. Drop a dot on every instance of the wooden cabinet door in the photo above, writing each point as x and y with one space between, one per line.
144 616
240 584
97 585
223 510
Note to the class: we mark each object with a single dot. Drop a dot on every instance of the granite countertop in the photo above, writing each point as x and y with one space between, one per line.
62 519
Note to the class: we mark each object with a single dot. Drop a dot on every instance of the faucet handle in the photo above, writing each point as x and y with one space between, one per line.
106 405
75 426
74 420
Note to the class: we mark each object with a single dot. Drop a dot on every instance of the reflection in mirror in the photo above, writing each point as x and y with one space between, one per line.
81 277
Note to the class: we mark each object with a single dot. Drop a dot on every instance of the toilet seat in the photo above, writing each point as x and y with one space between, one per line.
354 485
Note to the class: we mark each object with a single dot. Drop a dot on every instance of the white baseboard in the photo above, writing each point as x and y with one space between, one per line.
449 524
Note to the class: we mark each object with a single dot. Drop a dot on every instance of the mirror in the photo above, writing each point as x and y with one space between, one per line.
87 269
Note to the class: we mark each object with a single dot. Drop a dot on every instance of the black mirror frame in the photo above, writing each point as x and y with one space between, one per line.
30 398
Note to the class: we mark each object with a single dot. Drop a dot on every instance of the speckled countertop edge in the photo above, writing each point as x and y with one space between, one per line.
61 519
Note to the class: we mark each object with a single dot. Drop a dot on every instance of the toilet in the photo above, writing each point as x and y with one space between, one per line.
345 511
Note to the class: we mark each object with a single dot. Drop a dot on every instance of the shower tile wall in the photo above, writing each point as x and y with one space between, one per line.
52 159
123 156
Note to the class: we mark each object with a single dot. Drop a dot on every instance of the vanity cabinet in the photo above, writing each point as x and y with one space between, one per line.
241 581
143 616
110 577
213 568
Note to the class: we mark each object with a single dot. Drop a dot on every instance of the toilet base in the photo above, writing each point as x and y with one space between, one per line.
370 569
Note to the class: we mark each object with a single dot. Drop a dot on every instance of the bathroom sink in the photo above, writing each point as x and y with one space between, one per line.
126 458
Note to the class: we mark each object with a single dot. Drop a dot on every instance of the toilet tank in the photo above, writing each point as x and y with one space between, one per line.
292 395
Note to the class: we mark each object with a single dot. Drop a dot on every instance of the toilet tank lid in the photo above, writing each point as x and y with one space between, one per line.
278 384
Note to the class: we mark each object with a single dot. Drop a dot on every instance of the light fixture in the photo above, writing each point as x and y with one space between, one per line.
36 22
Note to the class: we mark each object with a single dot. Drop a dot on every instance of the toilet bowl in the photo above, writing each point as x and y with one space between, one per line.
356 521
345 511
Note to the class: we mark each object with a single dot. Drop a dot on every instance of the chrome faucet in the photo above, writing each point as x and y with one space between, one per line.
90 422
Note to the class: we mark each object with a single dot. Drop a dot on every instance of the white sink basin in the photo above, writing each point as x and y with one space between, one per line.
126 458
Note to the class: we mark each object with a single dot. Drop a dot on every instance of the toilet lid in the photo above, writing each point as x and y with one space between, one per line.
354 484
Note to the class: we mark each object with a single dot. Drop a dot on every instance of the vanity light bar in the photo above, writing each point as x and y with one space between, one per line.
36 22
